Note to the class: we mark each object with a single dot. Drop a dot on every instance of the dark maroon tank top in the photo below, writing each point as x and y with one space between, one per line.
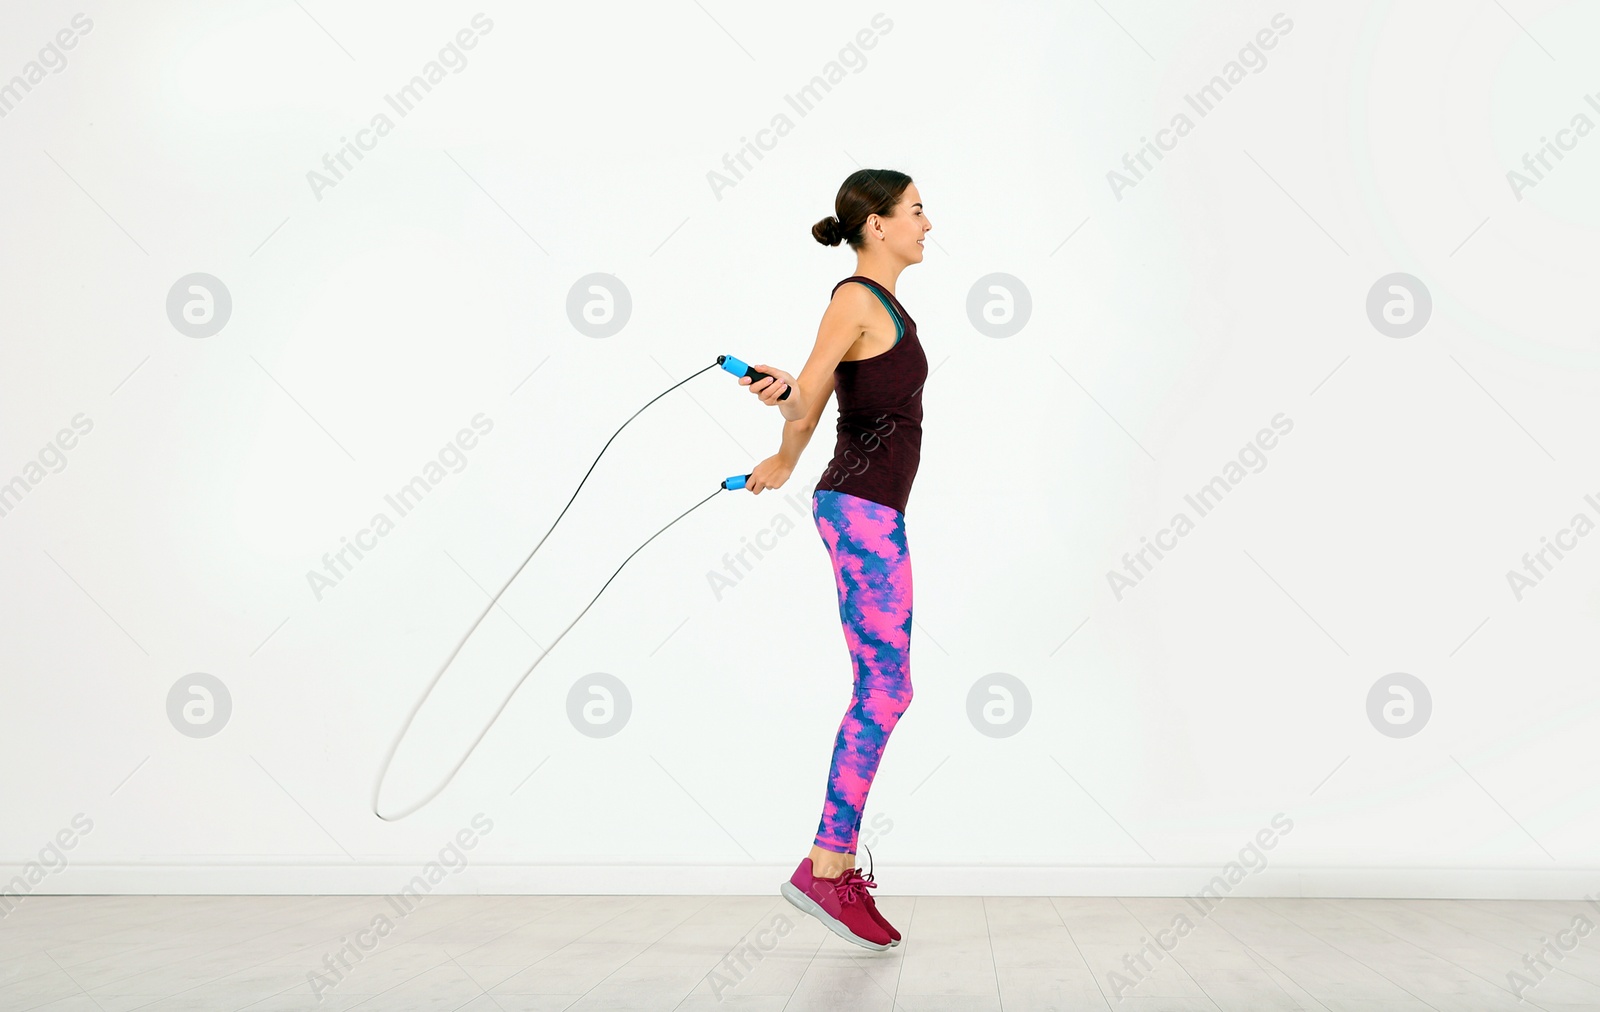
879 441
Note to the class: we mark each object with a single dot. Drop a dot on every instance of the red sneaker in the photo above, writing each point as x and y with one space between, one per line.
839 903
872 906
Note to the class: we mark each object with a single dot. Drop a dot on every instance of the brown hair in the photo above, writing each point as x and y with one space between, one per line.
864 192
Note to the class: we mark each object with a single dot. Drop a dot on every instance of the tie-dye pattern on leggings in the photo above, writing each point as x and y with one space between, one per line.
872 567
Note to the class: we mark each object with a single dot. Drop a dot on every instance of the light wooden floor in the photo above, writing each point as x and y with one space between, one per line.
525 953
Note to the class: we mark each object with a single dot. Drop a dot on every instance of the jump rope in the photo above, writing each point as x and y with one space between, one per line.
727 362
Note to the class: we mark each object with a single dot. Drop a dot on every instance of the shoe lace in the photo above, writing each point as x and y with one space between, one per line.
853 885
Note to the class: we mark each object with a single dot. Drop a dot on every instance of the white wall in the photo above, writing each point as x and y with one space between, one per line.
1171 320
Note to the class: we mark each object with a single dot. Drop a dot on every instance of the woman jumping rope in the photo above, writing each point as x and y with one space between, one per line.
867 351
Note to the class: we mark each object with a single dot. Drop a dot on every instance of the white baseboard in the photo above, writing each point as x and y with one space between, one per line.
380 878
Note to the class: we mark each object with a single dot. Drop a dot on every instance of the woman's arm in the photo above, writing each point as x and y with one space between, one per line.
844 321
797 433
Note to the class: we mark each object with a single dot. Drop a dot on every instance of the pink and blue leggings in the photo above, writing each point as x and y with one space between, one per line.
872 567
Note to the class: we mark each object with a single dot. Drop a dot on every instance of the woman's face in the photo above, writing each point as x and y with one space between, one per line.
903 230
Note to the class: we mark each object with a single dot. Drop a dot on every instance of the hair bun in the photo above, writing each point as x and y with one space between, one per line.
826 231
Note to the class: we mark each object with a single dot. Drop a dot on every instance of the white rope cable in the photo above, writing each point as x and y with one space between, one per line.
412 716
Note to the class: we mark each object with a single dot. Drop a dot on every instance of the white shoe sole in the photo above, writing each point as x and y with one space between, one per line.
810 906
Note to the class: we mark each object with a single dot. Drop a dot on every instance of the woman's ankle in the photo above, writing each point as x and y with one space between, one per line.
830 864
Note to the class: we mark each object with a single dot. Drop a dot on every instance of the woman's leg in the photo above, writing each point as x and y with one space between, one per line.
872 569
